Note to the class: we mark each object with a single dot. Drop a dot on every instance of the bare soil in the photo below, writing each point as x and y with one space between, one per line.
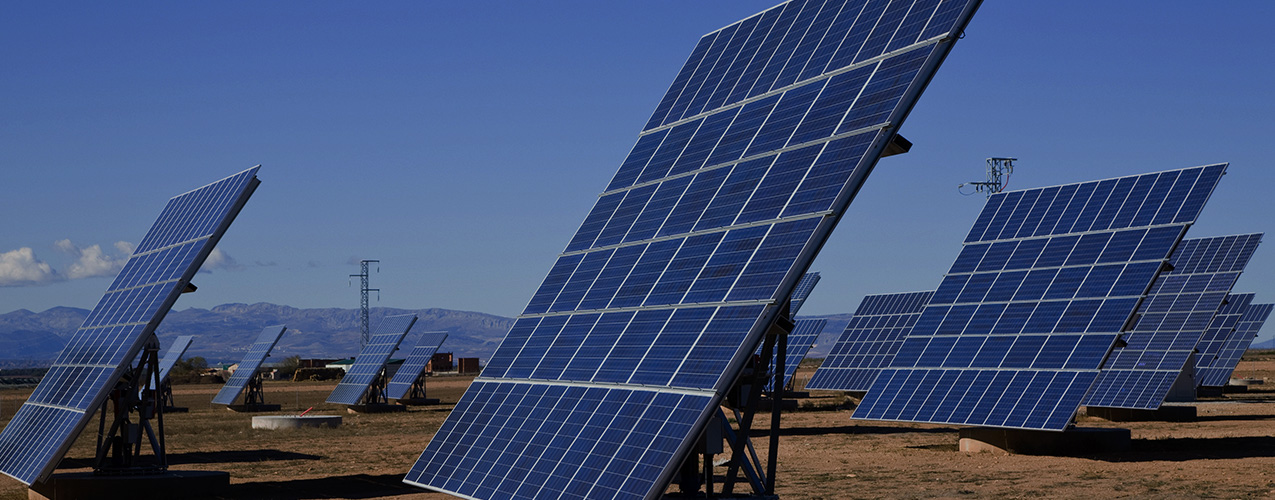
823 454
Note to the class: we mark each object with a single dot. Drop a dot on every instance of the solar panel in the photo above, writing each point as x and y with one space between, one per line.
172 356
414 365
1218 332
368 364
665 291
803 337
1170 322
1048 278
869 342
802 291
257 354
1245 327
119 325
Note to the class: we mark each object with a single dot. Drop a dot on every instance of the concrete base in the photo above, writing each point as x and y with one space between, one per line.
276 422
176 409
376 408
1084 441
171 484
253 408
1166 413
417 402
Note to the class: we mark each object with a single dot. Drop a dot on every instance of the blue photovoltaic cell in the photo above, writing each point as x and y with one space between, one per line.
117 328
368 364
1048 278
1246 326
804 335
668 285
172 356
801 292
869 342
1171 321
1216 335
257 354
414 365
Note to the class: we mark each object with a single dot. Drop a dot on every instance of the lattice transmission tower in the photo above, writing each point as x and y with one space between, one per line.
363 288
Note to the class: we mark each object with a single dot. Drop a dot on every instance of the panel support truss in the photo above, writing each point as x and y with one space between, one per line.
253 394
376 391
132 407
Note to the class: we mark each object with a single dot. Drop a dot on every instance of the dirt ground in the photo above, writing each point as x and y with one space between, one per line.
1228 453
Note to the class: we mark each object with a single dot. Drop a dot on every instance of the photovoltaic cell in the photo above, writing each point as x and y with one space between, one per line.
1171 321
1048 278
766 134
119 325
802 291
414 365
804 335
1238 323
257 354
869 342
172 356
368 364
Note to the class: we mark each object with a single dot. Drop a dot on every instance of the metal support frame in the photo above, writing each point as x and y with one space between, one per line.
119 447
363 289
254 395
417 391
165 395
375 394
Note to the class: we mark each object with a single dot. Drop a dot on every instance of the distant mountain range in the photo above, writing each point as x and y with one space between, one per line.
223 333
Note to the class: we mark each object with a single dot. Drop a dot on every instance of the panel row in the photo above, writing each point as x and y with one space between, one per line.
511 440
1219 373
1133 389
1172 197
688 347
197 213
410 370
1221 328
1058 316
740 264
1038 352
72 386
1025 399
1129 245
252 361
869 342
801 292
792 43
1215 255
803 337
104 346
1083 282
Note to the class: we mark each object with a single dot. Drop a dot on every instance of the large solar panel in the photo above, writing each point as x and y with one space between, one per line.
257 354
804 335
665 291
172 356
1170 322
869 342
802 291
1218 372
1048 278
414 365
119 325
367 365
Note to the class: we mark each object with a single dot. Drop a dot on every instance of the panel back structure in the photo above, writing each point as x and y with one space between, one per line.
368 364
869 342
414 365
1048 278
802 291
257 354
803 337
1171 321
610 374
117 328
1218 373
172 356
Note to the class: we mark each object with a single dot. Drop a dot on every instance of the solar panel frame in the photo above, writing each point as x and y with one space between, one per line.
252 361
804 334
172 356
414 365
681 308
182 237
1218 372
372 358
1171 321
870 340
1219 331
801 292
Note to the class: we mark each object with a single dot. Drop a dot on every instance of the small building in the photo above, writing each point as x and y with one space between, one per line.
342 364
441 362
468 365
314 363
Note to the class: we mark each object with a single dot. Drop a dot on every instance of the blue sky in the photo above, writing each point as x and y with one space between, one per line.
462 143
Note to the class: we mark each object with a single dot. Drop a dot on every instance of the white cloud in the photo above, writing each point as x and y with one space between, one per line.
218 259
125 248
21 268
91 261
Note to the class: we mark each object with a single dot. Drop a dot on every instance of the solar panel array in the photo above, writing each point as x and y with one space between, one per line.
796 347
803 337
368 364
119 325
666 289
1215 336
172 356
802 291
414 365
1240 324
1171 321
257 354
1048 278
869 342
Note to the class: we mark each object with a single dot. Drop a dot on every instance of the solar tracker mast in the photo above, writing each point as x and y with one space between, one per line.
363 289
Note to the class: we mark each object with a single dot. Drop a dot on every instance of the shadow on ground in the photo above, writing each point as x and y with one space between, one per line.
355 486
1185 449
206 457
849 429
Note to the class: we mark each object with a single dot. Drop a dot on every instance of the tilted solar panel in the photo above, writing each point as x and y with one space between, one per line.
1218 332
1170 322
367 365
252 361
804 335
172 356
1048 278
802 291
116 329
869 342
414 365
1219 372
669 284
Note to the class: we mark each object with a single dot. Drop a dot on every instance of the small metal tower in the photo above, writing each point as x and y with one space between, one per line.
998 172
363 275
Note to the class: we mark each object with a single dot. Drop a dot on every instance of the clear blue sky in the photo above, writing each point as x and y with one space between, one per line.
462 143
